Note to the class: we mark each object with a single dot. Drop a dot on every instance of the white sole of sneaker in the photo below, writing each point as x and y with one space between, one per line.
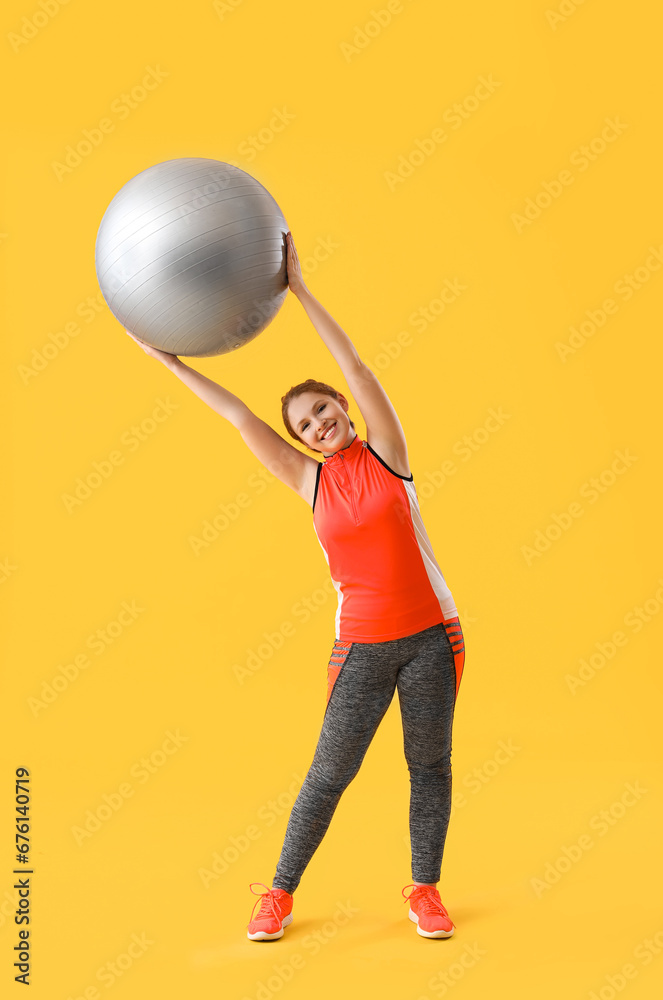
264 936
429 934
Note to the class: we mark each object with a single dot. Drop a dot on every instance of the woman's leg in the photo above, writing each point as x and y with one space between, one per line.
427 690
361 684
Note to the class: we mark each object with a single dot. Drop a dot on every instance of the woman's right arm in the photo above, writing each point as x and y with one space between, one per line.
276 454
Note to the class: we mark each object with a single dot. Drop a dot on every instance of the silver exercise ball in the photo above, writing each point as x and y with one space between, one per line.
191 257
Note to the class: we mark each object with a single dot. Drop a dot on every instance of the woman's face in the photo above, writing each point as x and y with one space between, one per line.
313 415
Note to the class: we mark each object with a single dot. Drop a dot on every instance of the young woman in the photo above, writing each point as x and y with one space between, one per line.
396 624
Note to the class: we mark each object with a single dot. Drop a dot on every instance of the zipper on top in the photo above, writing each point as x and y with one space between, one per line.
352 491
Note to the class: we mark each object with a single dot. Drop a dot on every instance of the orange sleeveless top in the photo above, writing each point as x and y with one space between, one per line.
367 520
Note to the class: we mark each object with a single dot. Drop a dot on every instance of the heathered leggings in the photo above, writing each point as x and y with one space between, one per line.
426 668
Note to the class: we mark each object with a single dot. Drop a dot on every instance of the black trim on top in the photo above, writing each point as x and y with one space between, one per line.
317 480
409 478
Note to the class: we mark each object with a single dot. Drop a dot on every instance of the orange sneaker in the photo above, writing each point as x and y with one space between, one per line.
274 914
426 910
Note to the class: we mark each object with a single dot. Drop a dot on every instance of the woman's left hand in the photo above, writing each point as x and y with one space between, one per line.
295 279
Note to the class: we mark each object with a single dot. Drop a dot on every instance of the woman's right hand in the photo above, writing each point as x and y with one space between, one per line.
166 359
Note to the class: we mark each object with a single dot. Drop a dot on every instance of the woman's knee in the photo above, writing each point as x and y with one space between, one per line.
329 777
442 765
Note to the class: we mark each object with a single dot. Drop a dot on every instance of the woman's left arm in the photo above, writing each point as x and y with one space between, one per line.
381 419
338 342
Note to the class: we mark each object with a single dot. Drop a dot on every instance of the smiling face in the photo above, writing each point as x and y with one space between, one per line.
313 414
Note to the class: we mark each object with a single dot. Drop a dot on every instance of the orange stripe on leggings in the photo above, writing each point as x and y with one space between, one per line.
336 661
456 638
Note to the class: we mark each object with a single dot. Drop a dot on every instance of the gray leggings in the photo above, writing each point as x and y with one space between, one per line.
426 668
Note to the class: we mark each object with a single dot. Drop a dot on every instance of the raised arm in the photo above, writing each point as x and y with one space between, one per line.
276 454
383 428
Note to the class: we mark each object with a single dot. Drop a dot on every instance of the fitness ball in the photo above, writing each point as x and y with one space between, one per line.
191 257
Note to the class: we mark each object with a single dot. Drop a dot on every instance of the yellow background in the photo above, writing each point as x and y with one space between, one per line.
529 622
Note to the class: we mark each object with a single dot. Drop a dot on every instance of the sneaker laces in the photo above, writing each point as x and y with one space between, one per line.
428 898
267 903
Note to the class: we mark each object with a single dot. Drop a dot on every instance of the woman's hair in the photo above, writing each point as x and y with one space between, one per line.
310 385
